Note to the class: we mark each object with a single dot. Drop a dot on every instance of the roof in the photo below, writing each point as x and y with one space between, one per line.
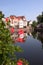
21 17
15 18
18 17
12 16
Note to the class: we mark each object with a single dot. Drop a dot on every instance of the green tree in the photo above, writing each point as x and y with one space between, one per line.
7 48
1 15
40 18
34 24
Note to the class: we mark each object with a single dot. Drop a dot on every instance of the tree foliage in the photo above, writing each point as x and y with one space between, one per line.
34 23
40 18
1 15
7 48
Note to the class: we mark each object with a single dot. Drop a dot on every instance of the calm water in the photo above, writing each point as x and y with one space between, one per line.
33 51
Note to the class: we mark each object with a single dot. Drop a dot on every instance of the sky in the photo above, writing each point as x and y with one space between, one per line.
28 8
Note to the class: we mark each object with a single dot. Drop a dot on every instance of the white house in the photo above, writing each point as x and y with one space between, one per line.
30 22
13 21
19 21
22 21
25 23
21 24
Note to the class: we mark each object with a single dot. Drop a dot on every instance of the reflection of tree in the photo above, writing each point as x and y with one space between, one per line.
38 35
34 34
42 46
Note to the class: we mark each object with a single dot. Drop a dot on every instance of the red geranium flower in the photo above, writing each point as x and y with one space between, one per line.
20 31
20 40
11 30
6 19
20 62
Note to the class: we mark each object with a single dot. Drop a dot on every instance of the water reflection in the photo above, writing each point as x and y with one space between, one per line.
39 36
32 51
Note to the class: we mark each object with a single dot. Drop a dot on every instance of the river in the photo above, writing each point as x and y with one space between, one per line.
33 51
